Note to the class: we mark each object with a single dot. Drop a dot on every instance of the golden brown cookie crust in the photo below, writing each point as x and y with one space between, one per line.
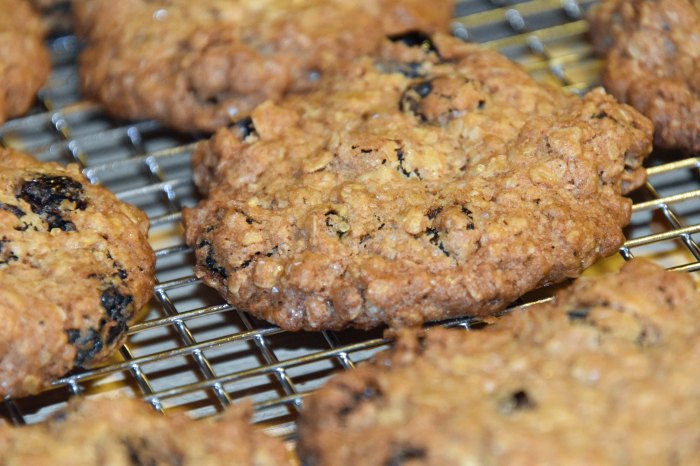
201 65
653 51
24 60
125 431
385 198
75 266
605 374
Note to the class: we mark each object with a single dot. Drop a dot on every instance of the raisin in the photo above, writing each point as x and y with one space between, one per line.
6 255
88 343
121 273
578 314
46 195
410 99
137 450
415 38
423 89
434 235
521 400
13 209
246 263
246 127
214 266
210 261
401 157
470 216
402 454
44 192
603 114
434 212
117 305
517 401
369 393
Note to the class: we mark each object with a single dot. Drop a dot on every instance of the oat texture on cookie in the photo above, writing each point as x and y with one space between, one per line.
605 374
75 266
652 53
24 60
124 431
437 180
201 65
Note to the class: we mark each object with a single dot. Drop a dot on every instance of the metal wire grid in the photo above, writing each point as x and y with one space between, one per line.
192 351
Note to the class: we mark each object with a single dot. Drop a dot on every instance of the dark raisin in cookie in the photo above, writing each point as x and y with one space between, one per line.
203 64
75 266
605 374
125 431
24 60
653 51
386 197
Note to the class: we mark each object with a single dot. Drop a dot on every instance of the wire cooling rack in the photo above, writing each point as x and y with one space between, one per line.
192 351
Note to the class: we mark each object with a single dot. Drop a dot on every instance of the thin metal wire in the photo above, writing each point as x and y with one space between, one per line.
174 205
334 342
270 358
141 378
13 411
270 368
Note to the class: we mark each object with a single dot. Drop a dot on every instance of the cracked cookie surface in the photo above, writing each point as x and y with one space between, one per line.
24 60
124 431
75 266
653 51
604 374
437 181
201 65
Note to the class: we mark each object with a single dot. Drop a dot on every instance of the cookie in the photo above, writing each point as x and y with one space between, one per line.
24 60
75 266
438 181
653 51
201 65
606 374
125 431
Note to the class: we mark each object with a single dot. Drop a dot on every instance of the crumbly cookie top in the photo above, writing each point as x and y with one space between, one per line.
438 180
24 60
604 374
653 51
125 431
75 265
203 64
